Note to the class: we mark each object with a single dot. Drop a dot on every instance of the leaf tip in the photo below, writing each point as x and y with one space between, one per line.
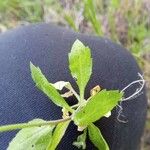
31 66
77 43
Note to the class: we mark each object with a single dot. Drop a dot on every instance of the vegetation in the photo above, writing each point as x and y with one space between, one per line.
84 113
125 22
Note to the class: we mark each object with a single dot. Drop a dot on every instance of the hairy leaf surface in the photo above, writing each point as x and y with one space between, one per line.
97 138
43 84
81 140
98 106
57 135
33 138
80 64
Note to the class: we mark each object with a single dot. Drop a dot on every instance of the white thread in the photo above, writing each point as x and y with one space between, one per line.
137 93
138 90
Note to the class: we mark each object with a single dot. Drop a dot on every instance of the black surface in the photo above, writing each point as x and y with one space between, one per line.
47 46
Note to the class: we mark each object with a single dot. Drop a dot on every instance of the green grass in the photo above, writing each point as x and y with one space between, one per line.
125 22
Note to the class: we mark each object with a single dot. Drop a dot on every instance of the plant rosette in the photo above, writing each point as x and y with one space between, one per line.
46 135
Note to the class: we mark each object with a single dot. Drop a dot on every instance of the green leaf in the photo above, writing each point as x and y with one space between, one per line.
97 138
33 138
98 106
81 140
57 135
43 84
80 64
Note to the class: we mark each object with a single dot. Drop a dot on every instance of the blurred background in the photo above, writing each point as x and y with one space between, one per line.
126 22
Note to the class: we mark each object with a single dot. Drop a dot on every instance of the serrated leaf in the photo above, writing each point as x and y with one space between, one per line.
43 84
81 140
80 64
98 106
57 135
97 138
33 138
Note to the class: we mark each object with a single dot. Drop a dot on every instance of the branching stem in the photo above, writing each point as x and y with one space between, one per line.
28 125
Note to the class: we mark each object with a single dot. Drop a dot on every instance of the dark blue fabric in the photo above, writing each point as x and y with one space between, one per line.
47 46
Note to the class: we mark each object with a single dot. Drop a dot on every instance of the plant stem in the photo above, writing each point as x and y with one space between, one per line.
75 94
28 125
81 96
69 87
75 106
